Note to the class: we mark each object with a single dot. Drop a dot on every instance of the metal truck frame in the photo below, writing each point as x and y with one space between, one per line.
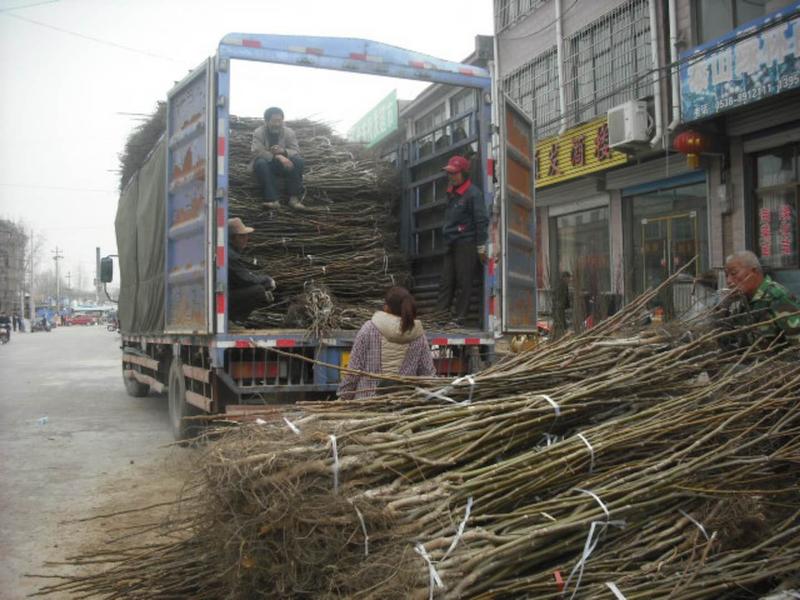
207 368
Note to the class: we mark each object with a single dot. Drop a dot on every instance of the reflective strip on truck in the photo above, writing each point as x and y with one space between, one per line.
448 341
277 343
221 143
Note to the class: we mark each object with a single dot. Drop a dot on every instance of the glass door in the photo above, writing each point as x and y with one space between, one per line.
668 243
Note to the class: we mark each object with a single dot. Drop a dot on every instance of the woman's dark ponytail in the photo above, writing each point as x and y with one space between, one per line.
401 303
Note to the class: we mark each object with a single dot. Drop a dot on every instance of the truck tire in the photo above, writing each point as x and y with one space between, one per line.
135 388
178 407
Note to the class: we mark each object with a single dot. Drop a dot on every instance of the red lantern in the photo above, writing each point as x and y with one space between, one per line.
691 143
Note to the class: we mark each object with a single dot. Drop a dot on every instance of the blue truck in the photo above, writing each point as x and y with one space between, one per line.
173 241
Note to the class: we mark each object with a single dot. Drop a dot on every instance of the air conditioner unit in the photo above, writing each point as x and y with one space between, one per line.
627 125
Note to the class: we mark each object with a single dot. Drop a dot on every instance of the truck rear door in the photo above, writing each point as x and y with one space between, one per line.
518 225
188 223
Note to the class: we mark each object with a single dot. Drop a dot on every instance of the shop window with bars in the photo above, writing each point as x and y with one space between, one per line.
508 12
534 87
607 62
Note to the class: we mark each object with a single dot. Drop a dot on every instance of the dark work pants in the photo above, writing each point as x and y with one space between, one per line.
243 301
458 270
268 172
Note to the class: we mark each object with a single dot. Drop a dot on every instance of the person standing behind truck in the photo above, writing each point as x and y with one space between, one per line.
391 342
276 154
465 234
246 290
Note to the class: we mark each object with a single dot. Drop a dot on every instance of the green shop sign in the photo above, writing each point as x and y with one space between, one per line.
377 123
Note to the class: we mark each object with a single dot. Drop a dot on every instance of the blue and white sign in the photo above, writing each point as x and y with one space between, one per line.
755 61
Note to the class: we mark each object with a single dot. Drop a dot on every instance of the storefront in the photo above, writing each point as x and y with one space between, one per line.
574 219
666 227
771 173
741 90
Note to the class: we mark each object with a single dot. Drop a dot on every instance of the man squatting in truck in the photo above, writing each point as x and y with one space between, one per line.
246 290
276 155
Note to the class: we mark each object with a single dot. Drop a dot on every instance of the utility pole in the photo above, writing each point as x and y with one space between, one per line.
97 284
56 257
32 307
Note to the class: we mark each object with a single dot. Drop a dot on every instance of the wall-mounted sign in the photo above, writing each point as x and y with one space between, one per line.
578 151
752 62
377 123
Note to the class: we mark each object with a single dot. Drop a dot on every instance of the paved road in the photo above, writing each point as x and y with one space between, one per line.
99 451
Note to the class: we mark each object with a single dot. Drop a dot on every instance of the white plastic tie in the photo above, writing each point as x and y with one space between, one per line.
385 263
433 577
335 464
471 381
310 258
552 402
697 523
292 426
550 439
615 590
324 270
460 530
597 499
392 276
591 452
591 540
364 529
436 394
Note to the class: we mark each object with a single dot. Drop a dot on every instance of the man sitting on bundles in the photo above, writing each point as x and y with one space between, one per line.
276 155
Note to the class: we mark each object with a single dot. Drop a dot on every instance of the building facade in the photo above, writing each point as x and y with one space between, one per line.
740 90
616 215
13 246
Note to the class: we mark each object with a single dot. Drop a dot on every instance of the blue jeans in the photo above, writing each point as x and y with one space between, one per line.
269 173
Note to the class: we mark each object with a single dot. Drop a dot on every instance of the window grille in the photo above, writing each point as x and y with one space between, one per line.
463 102
508 12
534 87
430 119
607 62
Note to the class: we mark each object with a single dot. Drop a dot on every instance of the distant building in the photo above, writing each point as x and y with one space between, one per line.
13 244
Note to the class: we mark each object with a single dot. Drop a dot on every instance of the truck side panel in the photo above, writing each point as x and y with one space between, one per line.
187 286
518 220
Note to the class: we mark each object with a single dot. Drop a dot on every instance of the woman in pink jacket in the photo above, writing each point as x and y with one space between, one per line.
392 342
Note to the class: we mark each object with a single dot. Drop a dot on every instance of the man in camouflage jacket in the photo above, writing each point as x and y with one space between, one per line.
765 299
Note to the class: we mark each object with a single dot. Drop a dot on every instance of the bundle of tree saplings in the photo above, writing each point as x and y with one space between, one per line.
622 462
344 245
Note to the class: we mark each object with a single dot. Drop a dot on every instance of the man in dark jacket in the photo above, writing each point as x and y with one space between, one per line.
276 154
465 234
246 290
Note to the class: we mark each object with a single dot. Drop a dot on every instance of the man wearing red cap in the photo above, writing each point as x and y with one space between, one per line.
465 233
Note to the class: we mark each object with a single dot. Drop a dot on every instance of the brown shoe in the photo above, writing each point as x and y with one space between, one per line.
270 205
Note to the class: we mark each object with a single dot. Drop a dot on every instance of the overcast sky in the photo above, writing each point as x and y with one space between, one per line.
73 71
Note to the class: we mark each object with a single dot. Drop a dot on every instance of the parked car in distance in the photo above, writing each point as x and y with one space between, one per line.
81 320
